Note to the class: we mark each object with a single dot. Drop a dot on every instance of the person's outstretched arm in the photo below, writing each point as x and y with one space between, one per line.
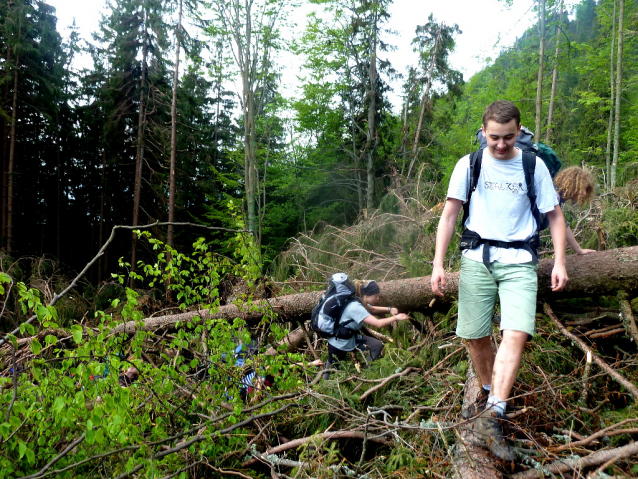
573 244
557 228
444 233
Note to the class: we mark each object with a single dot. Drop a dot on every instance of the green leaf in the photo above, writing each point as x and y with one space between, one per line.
77 333
36 347
22 449
58 404
50 339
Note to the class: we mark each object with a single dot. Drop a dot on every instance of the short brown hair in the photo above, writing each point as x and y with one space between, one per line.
501 111
575 184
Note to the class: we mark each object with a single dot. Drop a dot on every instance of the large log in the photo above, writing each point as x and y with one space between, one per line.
471 459
604 272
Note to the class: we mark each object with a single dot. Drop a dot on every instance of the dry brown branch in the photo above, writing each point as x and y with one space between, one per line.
629 320
608 431
586 374
633 390
326 436
603 330
607 334
577 464
376 334
406 372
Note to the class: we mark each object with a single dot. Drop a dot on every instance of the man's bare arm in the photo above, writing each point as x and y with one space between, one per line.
444 233
557 228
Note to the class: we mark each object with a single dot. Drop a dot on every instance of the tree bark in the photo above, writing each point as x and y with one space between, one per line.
614 164
610 124
171 190
424 103
550 112
139 157
541 59
371 136
12 149
590 275
471 460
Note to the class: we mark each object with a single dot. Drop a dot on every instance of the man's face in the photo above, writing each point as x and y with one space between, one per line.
501 138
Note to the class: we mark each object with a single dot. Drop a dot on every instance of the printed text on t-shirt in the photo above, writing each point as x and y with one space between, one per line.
504 186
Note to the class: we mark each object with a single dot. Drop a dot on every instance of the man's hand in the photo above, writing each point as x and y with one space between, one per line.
586 251
559 278
438 278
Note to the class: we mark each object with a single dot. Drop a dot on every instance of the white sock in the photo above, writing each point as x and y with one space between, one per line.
497 404
487 387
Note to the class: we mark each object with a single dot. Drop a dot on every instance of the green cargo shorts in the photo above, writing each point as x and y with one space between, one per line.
516 286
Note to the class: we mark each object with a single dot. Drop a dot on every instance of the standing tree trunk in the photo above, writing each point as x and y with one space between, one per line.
371 136
541 58
5 153
12 149
610 123
550 113
171 193
614 165
424 103
139 157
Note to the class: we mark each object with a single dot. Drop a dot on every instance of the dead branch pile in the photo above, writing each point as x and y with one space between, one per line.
573 413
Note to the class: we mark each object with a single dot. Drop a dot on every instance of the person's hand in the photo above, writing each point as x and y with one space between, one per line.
394 311
559 278
437 280
586 251
400 316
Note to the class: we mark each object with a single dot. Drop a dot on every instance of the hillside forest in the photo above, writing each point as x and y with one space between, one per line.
169 216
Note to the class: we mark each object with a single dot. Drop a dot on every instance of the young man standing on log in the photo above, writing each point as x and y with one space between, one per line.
500 219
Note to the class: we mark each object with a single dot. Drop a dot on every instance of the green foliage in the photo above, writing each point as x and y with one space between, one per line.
70 392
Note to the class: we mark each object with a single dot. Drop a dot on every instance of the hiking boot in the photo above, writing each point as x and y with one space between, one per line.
477 406
488 425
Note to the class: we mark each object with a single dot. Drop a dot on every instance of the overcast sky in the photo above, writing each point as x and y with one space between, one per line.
488 26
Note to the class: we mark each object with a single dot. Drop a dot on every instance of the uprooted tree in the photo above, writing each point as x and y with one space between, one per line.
192 413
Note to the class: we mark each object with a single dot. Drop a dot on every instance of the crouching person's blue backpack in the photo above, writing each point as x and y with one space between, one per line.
326 315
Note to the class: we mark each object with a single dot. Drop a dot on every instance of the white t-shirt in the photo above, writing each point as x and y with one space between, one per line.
500 209
357 313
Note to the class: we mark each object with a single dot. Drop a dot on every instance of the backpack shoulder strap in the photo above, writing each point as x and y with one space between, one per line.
529 167
476 160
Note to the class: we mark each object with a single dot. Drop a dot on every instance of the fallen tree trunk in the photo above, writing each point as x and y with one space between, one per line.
600 273
471 460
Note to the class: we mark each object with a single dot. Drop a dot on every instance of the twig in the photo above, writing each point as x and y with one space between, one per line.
584 395
606 334
376 334
608 431
179 471
305 333
628 320
57 297
575 464
67 449
407 371
633 390
603 330
324 436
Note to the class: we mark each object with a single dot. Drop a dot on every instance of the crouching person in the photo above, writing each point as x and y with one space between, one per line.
358 312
